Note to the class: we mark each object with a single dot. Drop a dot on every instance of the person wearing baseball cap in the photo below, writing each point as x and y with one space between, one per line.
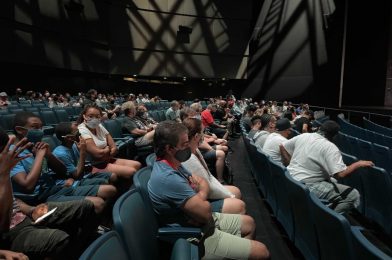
274 140
4 100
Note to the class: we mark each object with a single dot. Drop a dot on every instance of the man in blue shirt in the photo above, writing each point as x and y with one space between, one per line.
180 198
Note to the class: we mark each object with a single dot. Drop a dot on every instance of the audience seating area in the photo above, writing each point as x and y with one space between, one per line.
316 230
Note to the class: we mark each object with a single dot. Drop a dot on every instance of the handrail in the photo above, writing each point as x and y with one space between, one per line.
350 111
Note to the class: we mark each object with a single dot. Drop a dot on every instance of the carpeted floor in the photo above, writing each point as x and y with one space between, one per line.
268 230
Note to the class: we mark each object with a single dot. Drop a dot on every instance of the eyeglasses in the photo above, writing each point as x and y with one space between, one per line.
74 135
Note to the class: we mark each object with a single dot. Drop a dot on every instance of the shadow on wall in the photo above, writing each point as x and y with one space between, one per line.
286 50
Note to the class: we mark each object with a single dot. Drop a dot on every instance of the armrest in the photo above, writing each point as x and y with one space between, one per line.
183 249
171 234
31 199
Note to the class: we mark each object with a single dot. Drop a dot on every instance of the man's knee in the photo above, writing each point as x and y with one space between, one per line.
220 155
258 251
355 197
248 226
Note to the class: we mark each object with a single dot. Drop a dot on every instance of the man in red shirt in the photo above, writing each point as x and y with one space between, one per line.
209 123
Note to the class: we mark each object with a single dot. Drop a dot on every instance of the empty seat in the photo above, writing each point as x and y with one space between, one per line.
162 115
382 157
25 106
284 211
123 143
364 248
263 169
4 111
333 232
38 105
353 143
62 115
7 122
364 150
305 238
15 110
107 246
49 118
32 109
343 143
377 187
52 141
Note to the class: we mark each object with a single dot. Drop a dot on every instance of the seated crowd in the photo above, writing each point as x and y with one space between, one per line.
82 177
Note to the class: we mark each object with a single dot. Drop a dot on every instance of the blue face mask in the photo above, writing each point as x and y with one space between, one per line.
34 135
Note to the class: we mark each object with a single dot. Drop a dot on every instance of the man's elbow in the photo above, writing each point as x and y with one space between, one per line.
207 215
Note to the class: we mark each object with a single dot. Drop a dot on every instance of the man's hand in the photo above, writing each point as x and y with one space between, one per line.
69 182
365 163
39 211
9 158
10 255
41 148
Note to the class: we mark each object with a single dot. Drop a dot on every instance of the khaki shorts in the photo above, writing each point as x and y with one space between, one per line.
225 240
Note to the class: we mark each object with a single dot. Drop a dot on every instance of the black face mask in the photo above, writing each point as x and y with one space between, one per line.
183 155
140 113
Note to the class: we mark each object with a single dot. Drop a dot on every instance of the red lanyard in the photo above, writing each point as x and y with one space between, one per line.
177 170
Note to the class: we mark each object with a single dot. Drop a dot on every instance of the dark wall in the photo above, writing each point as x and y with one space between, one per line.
294 55
55 34
367 52
289 53
74 45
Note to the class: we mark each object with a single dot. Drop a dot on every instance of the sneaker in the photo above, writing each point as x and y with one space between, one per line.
102 229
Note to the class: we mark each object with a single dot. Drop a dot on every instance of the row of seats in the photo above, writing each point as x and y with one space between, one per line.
317 231
375 186
49 118
364 150
376 127
367 135
137 234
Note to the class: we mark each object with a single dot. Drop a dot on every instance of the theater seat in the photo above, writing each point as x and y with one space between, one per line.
382 157
133 222
377 186
169 234
107 246
364 248
284 211
305 238
333 232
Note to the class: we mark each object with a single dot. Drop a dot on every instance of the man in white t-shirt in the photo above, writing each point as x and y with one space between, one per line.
268 124
316 162
273 141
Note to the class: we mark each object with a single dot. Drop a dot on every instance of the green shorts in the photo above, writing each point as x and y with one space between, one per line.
225 240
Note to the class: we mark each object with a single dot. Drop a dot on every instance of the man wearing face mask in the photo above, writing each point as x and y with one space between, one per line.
37 174
133 124
180 198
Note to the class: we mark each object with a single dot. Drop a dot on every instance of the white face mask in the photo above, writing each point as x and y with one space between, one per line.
93 123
